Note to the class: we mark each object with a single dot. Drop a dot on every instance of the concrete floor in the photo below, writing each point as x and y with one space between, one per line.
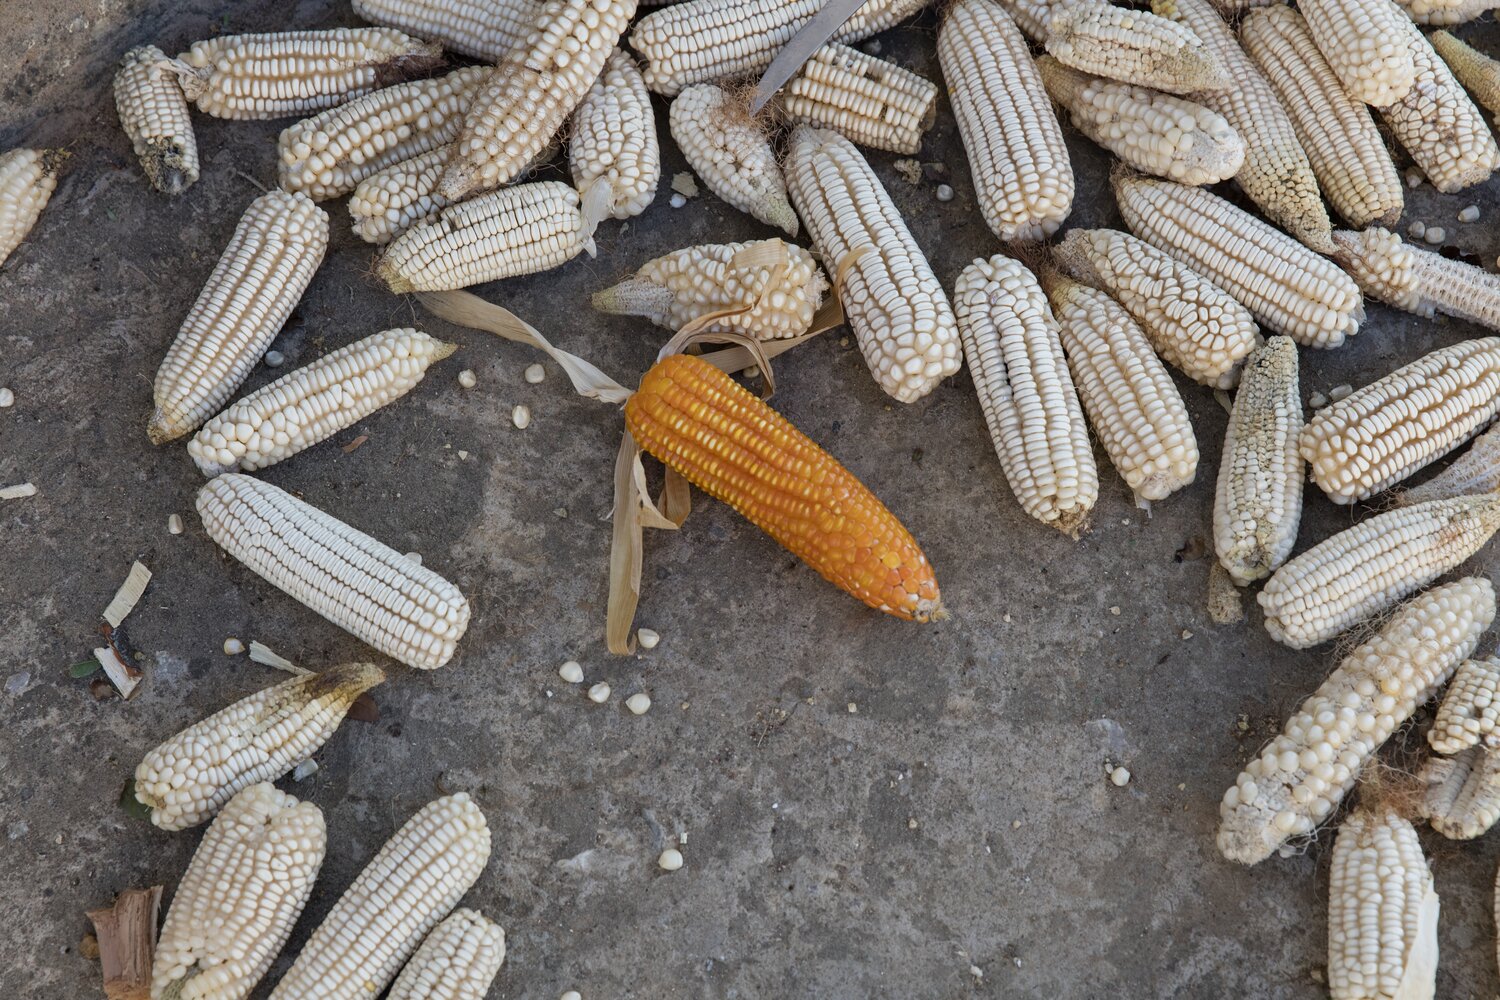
960 820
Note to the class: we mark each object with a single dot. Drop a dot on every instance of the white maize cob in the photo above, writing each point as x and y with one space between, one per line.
1470 710
1461 794
155 117
1382 911
413 883
284 73
1032 16
398 606
241 894
1352 165
731 152
1439 125
260 738
1021 376
258 281
1363 44
768 290
27 179
486 30
894 303
457 961
873 101
1192 324
516 230
327 155
1277 174
1299 778
1478 73
1446 11
1361 571
1287 287
1134 47
1022 175
1155 133
613 149
1382 433
1258 497
1475 471
312 403
1418 280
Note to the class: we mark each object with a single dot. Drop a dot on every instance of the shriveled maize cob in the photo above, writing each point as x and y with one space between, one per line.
1475 471
1155 133
1382 911
326 155
414 882
155 117
732 153
1287 287
1022 175
1478 73
1299 778
728 443
1352 165
1258 497
1277 174
400 607
258 281
27 179
614 148
1417 280
1032 16
1382 433
1470 710
517 230
486 30
1016 360
1461 794
1363 44
770 288
260 738
1446 11
312 403
457 961
1130 399
1134 47
1363 570
241 894
872 101
1194 325
1439 125
894 303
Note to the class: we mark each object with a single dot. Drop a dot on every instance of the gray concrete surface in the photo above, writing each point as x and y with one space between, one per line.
960 818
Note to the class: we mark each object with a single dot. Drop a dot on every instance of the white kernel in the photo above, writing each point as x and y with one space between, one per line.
521 416
638 703
670 860
1469 214
1119 777
599 693
853 708
677 201
415 557
1417 229
571 995
1435 235
305 770
945 192
1339 392
233 647
174 524
468 379
274 359
572 672
648 638
7 398
535 373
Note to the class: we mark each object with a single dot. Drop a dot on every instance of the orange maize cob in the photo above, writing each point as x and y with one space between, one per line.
728 443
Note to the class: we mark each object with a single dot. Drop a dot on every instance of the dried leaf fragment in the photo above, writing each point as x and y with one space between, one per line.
261 653
129 593
122 675
353 445
127 940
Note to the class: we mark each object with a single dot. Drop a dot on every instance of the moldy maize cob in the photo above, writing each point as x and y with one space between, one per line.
874 102
731 152
613 148
1475 471
1461 798
27 179
1417 280
1363 43
1470 710
1134 47
482 29
154 115
457 961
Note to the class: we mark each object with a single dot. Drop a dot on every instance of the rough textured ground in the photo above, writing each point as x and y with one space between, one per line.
958 820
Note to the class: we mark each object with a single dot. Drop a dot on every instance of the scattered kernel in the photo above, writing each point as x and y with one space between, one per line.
670 860
305 770
463 456
415 557
599 693
677 201
274 359
1469 214
468 379
7 398
233 647
1115 610
1187 633
572 672
945 192
648 638
521 416
174 524
1435 235
638 703
976 972
20 491
853 708
1015 824
571 995
911 823
1318 401
1119 777
1339 392
535 374
1417 230
753 371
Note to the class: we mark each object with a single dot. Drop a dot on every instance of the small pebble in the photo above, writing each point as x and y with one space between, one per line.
853 708
976 972
572 672
174 524
677 200
1115 610
521 416
1187 633
648 638
1119 777
1469 214
415 557
468 379
16 683
1435 235
670 860
233 647
18 830
305 770
463 456
599 693
560 512
638 703
1339 392
274 359
535 374
911 823
1416 230
7 398
945 192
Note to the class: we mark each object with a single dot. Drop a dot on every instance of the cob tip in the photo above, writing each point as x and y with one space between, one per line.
163 429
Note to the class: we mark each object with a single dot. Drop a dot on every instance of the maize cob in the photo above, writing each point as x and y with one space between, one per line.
486 30
1288 288
1446 11
327 155
1349 158
1418 280
1475 471
1477 72
400 607
313 403
1016 359
1439 125
1022 175
1277 175
258 281
735 448
260 738
1461 794
414 882
27 179
1299 778
241 894
457 961
155 117
1382 433
614 147
732 153
1152 132
1192 324
895 305
1363 570
1134 47
1258 498
1470 710
1382 911
1364 46
1130 399
516 230
1031 16
768 289
872 101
